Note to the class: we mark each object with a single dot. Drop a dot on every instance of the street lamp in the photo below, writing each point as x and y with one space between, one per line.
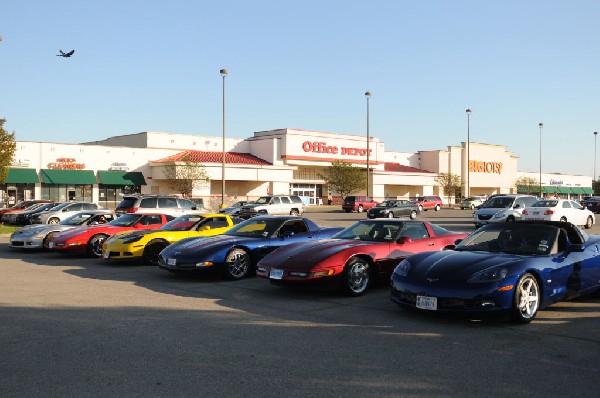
223 74
595 137
541 126
367 96
468 190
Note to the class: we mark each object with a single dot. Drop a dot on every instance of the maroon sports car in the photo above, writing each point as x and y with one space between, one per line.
363 252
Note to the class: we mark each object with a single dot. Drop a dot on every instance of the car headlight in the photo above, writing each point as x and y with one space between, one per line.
494 274
403 268
500 214
131 239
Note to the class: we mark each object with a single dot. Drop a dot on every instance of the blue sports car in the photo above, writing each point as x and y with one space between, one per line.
516 268
236 252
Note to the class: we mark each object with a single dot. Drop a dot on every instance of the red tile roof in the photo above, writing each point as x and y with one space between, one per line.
216 157
398 168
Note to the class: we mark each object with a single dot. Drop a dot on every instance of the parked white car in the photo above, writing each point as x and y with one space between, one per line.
559 210
502 208
62 212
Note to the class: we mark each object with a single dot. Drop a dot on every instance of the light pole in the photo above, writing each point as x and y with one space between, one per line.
541 126
595 139
223 74
468 190
367 96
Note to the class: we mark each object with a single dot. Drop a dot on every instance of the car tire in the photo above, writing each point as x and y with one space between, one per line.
526 299
420 208
360 209
390 214
237 264
510 219
589 223
294 212
53 220
356 277
563 219
94 245
437 207
152 251
413 214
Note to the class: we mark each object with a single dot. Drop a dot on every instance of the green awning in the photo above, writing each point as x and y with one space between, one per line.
549 189
60 176
22 176
577 190
564 190
121 177
588 191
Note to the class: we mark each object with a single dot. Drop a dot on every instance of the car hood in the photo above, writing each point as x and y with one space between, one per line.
491 210
44 228
307 254
458 266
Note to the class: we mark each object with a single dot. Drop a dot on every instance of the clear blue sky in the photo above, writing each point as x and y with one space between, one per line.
154 66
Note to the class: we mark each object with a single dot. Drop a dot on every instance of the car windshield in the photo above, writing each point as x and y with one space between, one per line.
126 220
370 231
499 202
77 219
545 203
255 228
527 239
183 223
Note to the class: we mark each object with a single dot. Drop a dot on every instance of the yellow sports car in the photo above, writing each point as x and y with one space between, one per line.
146 244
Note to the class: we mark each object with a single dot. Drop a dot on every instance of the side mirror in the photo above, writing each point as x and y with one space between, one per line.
404 239
457 241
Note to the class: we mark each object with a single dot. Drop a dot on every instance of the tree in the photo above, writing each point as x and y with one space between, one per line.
344 178
450 184
528 185
185 176
8 147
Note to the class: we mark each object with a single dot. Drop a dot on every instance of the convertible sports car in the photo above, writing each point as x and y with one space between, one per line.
515 268
236 252
148 244
367 250
33 236
89 239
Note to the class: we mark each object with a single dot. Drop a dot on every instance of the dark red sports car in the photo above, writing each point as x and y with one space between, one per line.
365 251
89 239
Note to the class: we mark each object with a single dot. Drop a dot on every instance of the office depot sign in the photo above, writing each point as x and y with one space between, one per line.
322 147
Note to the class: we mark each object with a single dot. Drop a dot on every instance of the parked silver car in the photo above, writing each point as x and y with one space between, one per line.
62 212
32 236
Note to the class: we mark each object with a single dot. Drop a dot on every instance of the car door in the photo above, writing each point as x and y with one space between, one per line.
149 221
290 231
579 213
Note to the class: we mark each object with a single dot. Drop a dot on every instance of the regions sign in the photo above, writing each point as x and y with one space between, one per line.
477 166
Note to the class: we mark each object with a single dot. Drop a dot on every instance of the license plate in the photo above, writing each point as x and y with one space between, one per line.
276 274
171 261
536 213
427 303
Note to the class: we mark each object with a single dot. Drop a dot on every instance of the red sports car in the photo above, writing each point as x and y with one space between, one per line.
89 239
365 251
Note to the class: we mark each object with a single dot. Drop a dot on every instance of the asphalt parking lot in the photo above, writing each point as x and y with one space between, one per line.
73 326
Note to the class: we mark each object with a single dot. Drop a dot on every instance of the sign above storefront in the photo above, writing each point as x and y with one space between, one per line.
322 147
66 164
556 182
477 166
118 166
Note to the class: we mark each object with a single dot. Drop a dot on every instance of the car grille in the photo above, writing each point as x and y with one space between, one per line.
17 243
484 216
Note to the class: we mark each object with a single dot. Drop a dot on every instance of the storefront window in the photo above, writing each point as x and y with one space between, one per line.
14 193
111 195
65 193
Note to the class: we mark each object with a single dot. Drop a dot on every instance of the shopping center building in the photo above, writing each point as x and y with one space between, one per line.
283 161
